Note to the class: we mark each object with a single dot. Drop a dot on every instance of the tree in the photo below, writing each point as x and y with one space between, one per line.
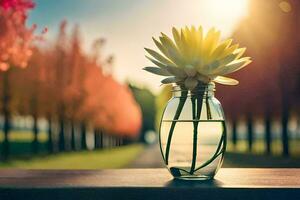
15 40
148 108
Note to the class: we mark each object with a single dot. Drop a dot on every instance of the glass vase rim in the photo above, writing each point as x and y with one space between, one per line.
209 87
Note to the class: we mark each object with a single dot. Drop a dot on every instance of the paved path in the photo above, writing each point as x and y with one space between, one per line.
151 158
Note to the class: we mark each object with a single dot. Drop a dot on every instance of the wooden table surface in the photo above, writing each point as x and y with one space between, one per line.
230 183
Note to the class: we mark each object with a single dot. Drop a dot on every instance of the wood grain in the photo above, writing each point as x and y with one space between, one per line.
230 183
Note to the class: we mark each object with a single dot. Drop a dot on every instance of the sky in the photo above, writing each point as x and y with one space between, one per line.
129 25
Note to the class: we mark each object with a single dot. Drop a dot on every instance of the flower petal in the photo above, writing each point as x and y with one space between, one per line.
177 38
172 51
159 64
229 50
192 55
239 52
159 57
226 60
176 71
158 71
234 66
170 80
210 43
190 70
225 80
161 47
185 45
220 49
218 65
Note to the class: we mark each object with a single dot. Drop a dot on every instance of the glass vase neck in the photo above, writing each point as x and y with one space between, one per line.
205 90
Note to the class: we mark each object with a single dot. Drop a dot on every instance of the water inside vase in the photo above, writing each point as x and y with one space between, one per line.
209 148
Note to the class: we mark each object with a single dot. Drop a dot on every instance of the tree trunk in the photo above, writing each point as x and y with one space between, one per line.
234 132
73 139
6 115
111 145
97 133
104 140
83 136
35 142
250 131
284 124
95 139
108 139
268 134
126 141
120 141
50 139
117 141
61 140
285 110
101 139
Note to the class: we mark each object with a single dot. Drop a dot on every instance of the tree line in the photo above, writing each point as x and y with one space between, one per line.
73 90
269 87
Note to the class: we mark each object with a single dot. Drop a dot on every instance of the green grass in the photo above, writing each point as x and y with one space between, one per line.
20 142
259 147
99 159
24 136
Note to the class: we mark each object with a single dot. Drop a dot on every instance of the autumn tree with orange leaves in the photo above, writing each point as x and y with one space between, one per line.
15 51
73 92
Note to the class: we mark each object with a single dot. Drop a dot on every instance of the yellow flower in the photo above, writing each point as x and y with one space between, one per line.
192 57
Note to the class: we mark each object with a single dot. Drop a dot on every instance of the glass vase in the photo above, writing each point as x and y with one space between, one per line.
192 133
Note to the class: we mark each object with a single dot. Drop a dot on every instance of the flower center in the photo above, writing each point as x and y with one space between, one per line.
190 71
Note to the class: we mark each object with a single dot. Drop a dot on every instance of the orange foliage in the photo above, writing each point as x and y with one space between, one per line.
64 82
15 37
112 104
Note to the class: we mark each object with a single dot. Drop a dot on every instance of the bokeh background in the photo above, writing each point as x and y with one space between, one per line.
73 94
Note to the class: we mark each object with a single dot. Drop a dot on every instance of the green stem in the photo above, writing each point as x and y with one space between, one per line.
177 114
193 99
196 118
217 153
208 112
222 143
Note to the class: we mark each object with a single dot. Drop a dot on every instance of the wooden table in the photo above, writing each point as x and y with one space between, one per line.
240 183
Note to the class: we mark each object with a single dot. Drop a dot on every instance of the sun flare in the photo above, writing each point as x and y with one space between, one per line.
233 8
229 11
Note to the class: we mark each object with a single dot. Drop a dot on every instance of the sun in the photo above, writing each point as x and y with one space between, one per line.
227 12
231 8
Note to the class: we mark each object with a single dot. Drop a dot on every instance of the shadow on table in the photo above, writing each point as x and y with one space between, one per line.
194 183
